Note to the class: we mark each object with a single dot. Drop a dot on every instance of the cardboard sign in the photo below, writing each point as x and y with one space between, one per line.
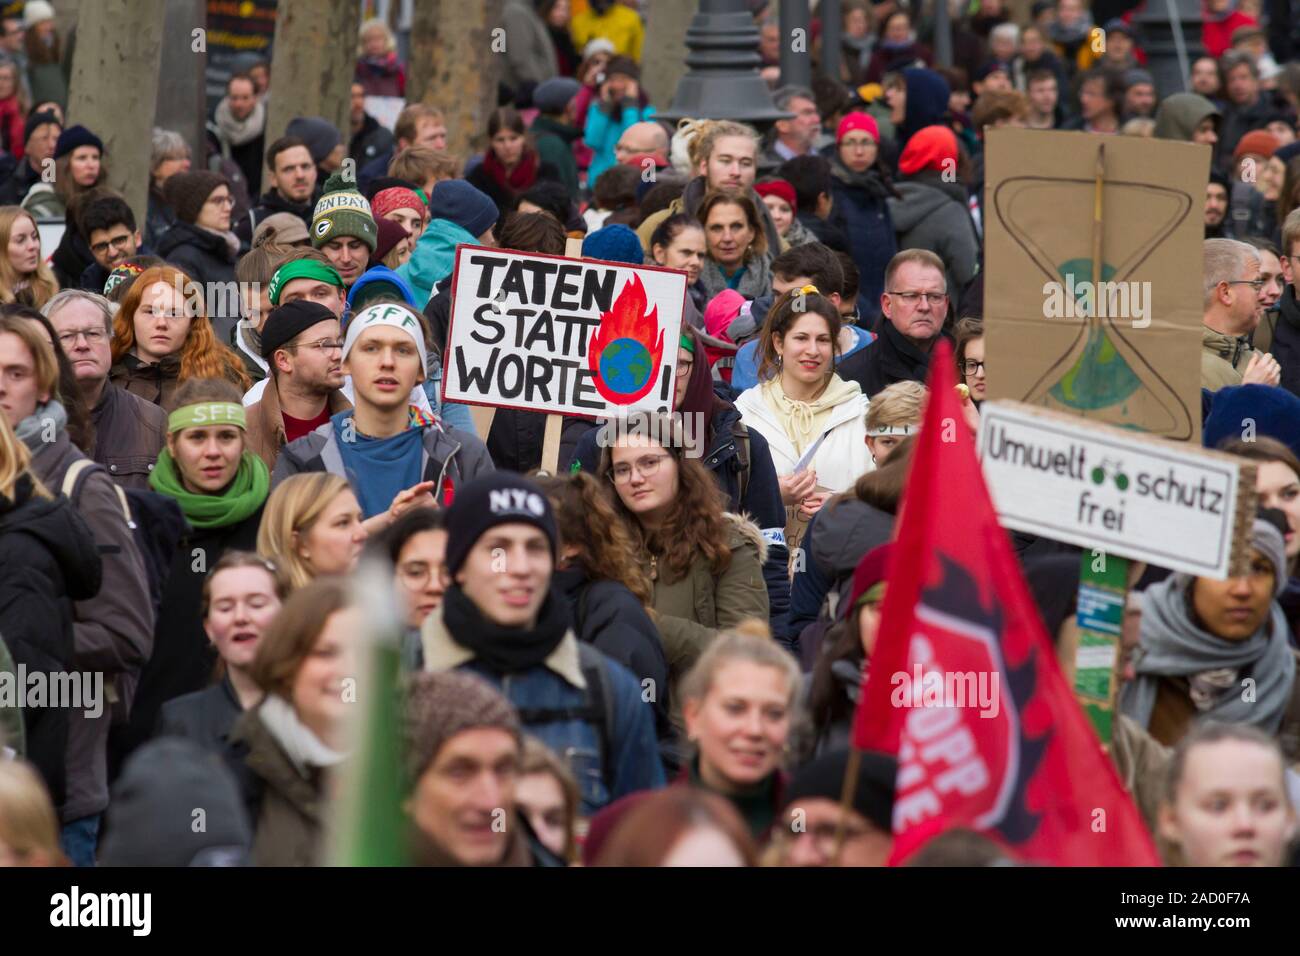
1092 296
1174 505
564 336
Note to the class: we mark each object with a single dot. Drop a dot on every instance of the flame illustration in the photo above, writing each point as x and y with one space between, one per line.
628 322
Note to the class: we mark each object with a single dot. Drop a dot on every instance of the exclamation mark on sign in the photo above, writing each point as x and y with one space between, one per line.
665 387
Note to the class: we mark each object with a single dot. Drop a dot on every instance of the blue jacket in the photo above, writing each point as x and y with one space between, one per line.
761 500
558 685
433 258
861 212
602 133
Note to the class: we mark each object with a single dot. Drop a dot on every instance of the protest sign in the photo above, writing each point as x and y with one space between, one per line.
1093 276
563 336
1172 504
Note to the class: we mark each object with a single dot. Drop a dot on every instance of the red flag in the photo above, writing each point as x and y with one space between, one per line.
964 686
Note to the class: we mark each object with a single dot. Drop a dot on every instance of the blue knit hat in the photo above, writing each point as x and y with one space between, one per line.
75 136
1274 412
615 243
459 202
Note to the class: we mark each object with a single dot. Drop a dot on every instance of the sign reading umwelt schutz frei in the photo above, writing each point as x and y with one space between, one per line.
1125 493
564 336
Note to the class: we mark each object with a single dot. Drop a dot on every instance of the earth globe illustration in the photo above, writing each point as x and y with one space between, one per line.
625 365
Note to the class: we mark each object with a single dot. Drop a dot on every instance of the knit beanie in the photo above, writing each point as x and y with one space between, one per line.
442 704
933 148
781 188
36 121
74 137
390 234
283 228
721 311
151 820
499 497
1272 411
395 197
187 192
286 322
623 66
615 243
457 201
1266 538
1258 142
870 571
320 135
342 211
553 95
823 778
857 121
36 11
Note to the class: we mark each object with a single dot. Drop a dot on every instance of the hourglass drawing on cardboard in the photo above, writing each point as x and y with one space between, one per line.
1101 375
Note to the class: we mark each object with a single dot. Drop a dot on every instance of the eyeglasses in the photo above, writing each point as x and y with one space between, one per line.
416 575
324 345
823 836
117 242
646 467
1256 283
169 314
684 369
931 298
970 366
222 200
92 337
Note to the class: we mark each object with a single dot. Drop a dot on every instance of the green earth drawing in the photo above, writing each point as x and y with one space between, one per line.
1100 377
625 365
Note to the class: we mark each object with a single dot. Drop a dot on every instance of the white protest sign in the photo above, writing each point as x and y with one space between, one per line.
563 336
1171 504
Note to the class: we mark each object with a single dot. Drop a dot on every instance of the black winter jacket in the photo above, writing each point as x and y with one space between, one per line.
1286 340
268 204
890 358
47 560
206 717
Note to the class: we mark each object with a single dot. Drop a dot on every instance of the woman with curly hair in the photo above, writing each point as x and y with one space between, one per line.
161 338
607 590
24 275
705 565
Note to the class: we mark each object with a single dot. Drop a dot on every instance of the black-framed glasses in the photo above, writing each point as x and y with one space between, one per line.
684 369
1257 283
931 298
971 367
117 242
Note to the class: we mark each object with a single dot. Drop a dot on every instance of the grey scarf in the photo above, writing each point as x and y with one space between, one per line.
239 132
48 420
1174 645
757 280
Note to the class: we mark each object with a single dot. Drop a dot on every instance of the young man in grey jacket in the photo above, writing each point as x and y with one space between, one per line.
393 454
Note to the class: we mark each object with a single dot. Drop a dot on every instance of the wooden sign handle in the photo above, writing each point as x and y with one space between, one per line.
551 444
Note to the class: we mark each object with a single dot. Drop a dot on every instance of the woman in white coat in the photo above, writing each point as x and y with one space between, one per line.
800 403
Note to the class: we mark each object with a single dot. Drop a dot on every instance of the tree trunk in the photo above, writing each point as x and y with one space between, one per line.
663 61
114 87
312 66
183 99
456 65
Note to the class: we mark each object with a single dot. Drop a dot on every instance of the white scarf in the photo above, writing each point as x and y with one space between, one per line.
238 132
303 748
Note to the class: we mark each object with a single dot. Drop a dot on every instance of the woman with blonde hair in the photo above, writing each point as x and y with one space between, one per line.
161 338
312 526
894 414
379 71
740 704
24 275
29 827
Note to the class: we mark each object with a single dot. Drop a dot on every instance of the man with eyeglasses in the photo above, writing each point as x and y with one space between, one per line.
129 431
1285 346
814 832
108 227
1231 290
303 348
915 307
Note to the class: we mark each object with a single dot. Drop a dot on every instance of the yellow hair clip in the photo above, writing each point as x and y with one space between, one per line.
809 290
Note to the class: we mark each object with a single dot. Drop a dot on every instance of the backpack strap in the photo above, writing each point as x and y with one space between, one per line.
741 434
72 481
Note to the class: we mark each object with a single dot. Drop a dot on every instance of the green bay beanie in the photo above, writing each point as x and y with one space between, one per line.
343 211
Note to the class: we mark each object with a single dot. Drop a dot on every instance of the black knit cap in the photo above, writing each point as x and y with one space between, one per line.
823 778
286 321
187 192
37 120
500 497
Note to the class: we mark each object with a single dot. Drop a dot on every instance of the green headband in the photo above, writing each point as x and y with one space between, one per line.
688 343
204 414
302 269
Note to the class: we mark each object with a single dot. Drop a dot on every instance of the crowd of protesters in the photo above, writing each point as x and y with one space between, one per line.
653 656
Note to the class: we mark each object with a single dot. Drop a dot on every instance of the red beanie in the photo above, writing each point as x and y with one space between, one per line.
1258 142
871 570
778 187
396 197
855 121
930 148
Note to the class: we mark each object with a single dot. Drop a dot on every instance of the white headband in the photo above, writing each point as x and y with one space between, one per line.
881 431
392 315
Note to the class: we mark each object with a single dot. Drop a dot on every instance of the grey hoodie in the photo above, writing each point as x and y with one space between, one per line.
932 214
1180 114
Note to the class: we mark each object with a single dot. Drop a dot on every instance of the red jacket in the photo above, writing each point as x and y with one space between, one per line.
1216 35
11 126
